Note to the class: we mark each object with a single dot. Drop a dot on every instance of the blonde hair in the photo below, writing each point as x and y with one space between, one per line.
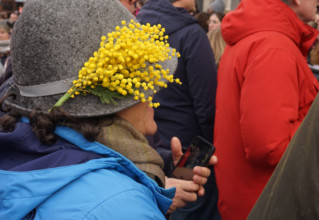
217 43
4 25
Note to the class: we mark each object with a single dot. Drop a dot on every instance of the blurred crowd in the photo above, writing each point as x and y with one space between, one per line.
244 81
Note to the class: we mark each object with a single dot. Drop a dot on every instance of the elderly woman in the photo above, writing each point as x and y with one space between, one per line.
72 144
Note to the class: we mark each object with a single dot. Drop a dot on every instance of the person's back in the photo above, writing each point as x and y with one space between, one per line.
186 110
67 179
265 89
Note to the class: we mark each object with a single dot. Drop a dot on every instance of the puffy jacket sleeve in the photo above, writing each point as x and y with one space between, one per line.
269 106
131 204
201 76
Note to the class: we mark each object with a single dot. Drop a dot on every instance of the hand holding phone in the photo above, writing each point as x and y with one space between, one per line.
198 154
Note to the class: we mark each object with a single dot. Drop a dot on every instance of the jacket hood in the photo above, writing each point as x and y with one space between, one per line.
22 192
252 16
164 13
21 150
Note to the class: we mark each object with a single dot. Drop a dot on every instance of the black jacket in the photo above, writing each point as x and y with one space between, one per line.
185 110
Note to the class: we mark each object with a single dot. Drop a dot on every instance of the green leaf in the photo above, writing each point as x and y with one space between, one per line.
106 96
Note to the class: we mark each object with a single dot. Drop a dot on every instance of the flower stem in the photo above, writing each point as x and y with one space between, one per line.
60 102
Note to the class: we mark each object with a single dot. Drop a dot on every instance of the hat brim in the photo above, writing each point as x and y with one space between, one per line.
80 106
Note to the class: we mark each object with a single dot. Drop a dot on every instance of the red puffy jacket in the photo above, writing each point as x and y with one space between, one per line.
264 91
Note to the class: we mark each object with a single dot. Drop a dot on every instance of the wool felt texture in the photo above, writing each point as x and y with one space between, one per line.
122 137
48 46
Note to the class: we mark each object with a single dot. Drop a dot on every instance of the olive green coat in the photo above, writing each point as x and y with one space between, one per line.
293 190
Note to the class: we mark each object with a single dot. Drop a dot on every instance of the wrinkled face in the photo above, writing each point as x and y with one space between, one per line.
4 35
213 22
306 10
141 116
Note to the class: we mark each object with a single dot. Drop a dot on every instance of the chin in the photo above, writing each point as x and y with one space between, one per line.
151 130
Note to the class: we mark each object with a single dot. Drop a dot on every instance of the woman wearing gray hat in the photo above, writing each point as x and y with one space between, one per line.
72 144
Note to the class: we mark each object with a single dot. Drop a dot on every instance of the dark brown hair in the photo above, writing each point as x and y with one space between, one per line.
219 15
43 125
202 18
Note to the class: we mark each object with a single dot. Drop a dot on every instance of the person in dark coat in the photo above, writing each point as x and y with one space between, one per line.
186 110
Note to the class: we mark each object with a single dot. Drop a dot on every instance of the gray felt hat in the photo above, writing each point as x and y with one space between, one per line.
51 40
217 6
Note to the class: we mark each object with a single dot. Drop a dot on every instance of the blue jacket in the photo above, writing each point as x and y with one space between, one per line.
63 181
186 110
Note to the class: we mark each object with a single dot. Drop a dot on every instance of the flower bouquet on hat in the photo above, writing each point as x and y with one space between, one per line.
126 64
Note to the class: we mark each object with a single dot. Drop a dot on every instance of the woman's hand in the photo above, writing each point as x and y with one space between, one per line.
187 191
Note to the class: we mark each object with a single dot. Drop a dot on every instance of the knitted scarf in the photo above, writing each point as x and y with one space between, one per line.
4 46
122 137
